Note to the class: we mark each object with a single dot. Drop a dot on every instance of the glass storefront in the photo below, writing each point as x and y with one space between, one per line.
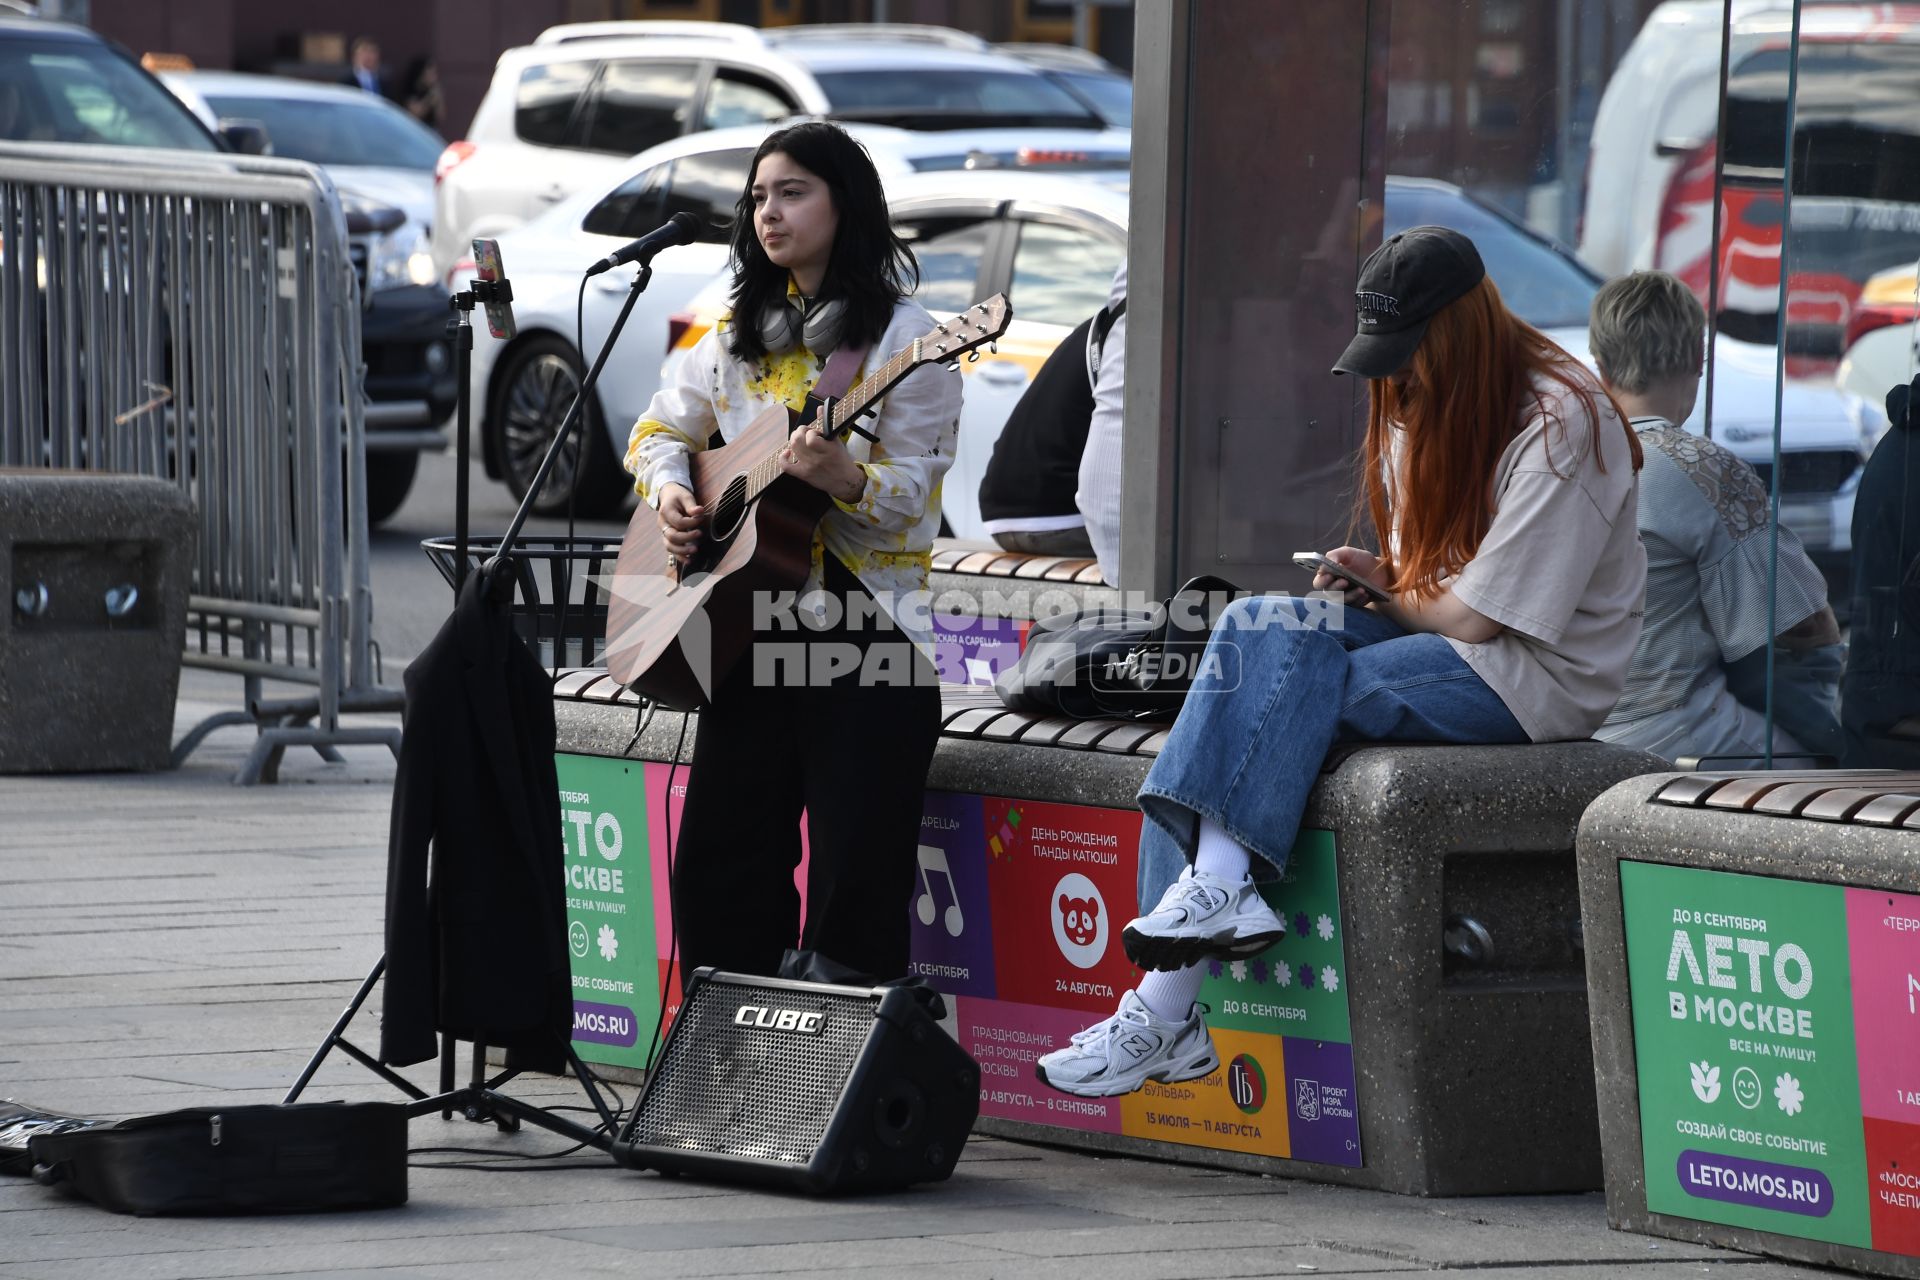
1763 152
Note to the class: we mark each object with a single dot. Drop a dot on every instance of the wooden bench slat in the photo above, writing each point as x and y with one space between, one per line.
970 722
1088 732
1745 790
976 561
1888 810
1035 566
1691 790
572 682
1128 735
1069 570
605 689
1839 804
1046 731
1007 727
1788 800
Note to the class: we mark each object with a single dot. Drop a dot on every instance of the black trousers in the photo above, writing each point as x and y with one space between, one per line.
850 752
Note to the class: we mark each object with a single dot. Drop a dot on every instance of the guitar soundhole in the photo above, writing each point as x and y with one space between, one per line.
728 513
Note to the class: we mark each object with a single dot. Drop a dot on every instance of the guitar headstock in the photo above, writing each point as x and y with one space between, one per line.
976 327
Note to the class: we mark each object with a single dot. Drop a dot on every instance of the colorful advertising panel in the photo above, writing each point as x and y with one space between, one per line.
1015 916
610 908
1777 1036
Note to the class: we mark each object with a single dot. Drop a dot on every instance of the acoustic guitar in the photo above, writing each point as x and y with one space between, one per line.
674 630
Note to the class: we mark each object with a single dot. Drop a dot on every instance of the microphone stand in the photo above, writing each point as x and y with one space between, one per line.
481 1100
495 567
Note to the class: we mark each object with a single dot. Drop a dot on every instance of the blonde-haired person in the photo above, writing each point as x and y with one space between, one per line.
1704 517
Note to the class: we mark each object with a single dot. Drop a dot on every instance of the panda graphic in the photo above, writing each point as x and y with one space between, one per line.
1079 916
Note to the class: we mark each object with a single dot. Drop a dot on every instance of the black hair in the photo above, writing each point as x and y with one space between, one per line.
871 268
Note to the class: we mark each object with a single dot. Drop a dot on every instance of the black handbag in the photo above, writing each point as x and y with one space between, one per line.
1153 679
1114 663
246 1159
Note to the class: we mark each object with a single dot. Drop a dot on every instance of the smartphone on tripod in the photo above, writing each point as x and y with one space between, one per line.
487 267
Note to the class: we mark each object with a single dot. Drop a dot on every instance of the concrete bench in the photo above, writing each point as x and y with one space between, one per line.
1420 1030
1754 962
94 573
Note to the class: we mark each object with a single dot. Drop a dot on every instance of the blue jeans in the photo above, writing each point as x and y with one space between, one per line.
1283 679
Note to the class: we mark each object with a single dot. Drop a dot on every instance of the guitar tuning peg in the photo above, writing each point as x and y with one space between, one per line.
994 347
954 365
973 357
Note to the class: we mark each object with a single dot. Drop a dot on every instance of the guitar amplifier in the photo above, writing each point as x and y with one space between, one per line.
802 1085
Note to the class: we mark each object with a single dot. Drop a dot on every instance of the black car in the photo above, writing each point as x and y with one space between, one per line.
65 85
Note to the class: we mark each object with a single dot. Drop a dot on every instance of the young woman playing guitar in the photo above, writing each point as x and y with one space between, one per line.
836 709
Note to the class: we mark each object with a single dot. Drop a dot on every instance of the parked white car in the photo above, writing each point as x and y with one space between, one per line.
1825 436
567 112
522 389
1051 242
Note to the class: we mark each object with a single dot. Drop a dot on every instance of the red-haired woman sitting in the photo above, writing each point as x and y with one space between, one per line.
1501 481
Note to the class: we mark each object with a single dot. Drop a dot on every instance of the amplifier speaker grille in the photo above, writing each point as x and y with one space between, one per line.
752 1091
823 1088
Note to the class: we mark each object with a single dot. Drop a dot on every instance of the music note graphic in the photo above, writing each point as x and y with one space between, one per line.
935 861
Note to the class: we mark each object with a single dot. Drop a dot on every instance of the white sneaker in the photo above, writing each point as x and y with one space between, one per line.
1127 1050
1202 916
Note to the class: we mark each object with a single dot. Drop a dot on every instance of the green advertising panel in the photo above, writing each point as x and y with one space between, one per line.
1300 982
1743 1028
610 933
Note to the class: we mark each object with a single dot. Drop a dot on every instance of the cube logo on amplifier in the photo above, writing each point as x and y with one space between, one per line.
794 1021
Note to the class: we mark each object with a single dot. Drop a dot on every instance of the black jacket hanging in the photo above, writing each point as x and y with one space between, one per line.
479 949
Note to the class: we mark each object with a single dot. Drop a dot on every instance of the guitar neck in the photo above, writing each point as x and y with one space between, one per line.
845 409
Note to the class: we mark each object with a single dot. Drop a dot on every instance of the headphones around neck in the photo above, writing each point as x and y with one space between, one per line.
791 322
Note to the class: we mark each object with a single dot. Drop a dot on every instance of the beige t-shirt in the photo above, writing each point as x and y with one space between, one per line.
1562 569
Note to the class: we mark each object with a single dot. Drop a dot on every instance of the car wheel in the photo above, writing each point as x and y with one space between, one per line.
536 389
389 478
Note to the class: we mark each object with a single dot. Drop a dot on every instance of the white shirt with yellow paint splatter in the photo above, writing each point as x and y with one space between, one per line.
884 537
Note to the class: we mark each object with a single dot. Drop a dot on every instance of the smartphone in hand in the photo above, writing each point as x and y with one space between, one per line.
1313 560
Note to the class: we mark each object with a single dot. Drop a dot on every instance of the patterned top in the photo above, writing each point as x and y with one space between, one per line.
1705 516
884 537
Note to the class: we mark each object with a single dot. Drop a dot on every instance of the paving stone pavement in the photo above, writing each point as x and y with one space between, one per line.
171 940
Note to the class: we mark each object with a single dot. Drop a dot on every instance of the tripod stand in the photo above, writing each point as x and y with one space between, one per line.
480 1099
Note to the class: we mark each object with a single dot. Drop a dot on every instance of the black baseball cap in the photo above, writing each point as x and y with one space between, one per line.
1403 284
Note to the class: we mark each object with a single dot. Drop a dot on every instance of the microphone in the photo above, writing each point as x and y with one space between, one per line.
681 228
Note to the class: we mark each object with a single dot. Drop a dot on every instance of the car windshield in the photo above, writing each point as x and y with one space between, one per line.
1546 289
330 133
1111 96
72 91
997 95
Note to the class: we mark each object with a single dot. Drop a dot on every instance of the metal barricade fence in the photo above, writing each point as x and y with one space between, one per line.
195 317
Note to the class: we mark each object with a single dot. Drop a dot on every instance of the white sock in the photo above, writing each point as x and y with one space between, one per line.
1219 853
1169 996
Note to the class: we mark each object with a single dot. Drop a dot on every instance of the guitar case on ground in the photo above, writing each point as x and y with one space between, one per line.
246 1159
